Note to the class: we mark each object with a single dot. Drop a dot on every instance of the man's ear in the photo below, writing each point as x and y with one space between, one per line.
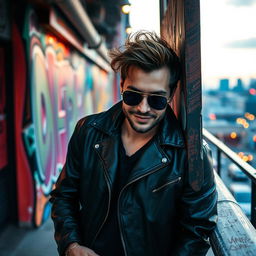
172 94
121 85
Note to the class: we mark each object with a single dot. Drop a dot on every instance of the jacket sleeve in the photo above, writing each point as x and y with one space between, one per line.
65 197
198 212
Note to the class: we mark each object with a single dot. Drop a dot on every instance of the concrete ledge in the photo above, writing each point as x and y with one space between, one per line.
234 234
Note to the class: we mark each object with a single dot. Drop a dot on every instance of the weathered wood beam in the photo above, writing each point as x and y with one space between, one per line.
181 28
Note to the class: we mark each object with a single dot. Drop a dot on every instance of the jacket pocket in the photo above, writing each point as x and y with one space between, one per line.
171 182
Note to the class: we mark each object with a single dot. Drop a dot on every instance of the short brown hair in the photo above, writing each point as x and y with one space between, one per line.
149 52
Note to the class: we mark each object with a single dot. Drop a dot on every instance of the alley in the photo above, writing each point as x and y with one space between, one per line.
28 242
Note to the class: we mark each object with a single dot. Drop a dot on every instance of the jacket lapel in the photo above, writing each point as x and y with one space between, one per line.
150 161
108 151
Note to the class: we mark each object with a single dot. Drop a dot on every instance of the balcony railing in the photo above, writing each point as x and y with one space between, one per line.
234 234
249 171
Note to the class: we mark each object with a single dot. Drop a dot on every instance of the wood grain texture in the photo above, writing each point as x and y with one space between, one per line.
181 28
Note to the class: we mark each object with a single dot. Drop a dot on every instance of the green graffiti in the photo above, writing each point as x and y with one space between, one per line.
29 139
42 114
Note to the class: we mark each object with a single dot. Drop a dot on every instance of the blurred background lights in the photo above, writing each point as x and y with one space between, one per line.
249 116
233 135
245 157
252 91
243 121
241 154
126 8
128 30
250 157
212 116
246 125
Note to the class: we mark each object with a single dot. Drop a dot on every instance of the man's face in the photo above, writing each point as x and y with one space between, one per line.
142 117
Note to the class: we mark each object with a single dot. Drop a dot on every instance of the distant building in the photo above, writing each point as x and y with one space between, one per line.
226 106
239 86
250 105
252 83
224 85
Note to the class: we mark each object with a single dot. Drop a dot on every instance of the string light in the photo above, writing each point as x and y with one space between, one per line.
126 8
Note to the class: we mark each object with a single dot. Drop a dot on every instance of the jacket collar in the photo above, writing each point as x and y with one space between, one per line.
170 132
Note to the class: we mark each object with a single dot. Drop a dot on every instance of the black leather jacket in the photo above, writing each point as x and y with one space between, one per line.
158 211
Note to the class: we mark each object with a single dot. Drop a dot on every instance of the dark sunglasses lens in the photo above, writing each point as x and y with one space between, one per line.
157 102
131 98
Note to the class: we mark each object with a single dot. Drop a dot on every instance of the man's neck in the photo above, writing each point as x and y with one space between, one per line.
133 140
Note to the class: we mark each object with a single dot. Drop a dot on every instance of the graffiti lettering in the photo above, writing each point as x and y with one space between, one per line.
64 86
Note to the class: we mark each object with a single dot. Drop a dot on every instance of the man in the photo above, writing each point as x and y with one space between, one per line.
124 188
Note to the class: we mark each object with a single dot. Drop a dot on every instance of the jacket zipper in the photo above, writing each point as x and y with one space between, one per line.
109 198
166 184
118 202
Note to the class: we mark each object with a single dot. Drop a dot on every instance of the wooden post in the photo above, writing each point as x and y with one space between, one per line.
181 28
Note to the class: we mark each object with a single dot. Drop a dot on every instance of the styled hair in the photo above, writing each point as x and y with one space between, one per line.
148 52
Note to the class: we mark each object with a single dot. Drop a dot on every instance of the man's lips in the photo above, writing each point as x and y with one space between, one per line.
142 115
142 119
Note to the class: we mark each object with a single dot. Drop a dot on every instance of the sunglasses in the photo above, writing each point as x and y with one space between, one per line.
155 101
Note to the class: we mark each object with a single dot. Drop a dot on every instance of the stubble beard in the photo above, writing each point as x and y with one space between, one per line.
142 130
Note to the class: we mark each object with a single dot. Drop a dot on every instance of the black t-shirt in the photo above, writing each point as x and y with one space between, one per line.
108 243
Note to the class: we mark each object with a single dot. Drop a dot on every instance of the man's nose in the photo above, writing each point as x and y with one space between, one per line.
143 107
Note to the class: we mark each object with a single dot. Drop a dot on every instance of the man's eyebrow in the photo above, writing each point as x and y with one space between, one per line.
154 92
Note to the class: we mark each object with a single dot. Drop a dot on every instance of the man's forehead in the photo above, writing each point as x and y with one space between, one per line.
137 71
132 69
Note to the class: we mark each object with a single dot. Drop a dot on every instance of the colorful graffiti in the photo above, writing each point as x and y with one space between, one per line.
3 131
63 86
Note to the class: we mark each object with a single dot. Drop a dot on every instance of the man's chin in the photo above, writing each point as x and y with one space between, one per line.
140 128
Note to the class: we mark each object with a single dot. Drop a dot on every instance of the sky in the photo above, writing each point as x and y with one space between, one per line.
145 15
228 36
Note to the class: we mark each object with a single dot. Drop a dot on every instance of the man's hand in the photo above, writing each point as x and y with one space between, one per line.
75 249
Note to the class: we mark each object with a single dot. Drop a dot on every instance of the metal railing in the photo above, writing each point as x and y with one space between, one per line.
245 167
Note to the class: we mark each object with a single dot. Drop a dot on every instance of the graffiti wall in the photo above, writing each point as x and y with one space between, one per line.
62 86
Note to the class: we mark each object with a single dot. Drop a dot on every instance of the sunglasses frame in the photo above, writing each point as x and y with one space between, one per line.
143 94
